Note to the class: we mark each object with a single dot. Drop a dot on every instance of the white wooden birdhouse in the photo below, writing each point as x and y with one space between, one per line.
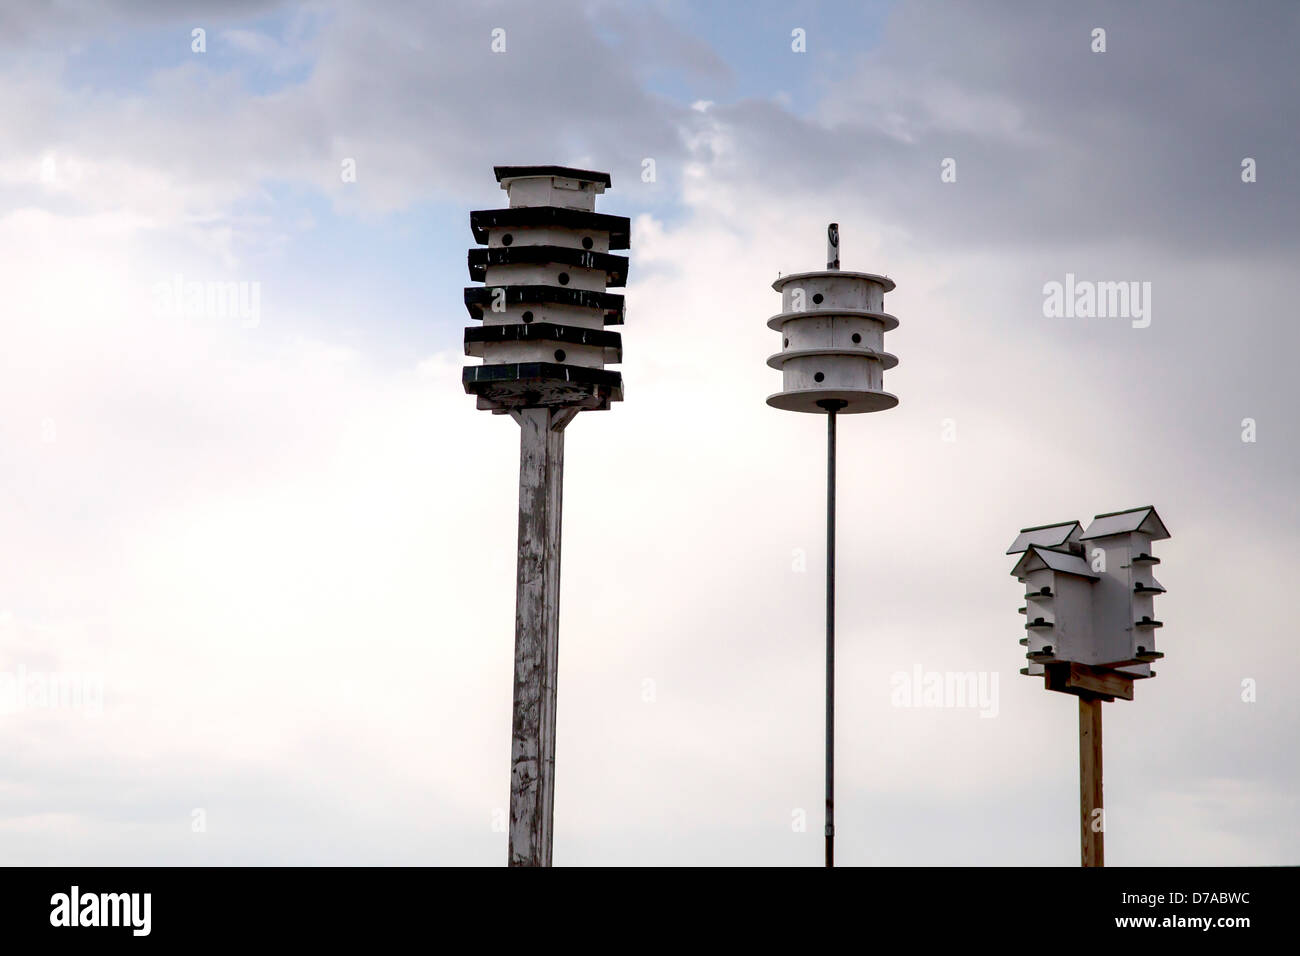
1088 594
1125 604
832 327
543 305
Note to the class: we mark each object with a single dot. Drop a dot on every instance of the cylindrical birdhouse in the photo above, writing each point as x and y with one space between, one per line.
543 305
833 360
833 327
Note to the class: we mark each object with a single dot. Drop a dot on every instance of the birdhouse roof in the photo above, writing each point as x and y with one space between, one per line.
887 322
609 304
1036 558
540 217
1044 535
853 401
1125 522
887 360
477 337
542 385
614 267
884 281
564 172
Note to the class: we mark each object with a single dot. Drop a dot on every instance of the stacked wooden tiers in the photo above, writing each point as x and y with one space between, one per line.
543 304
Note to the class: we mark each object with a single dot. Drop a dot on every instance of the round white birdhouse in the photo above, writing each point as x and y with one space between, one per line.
543 305
832 327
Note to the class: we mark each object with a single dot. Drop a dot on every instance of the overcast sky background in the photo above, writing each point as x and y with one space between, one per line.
289 548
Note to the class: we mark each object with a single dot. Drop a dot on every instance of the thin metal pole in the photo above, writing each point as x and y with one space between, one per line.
832 406
830 632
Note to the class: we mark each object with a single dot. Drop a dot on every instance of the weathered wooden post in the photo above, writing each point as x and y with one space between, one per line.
1091 627
1092 839
544 346
832 360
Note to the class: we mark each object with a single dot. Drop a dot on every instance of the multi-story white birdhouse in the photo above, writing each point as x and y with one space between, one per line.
1126 590
1058 594
832 327
543 305
1088 594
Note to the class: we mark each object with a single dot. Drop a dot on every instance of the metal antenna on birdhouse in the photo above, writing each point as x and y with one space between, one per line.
832 360
1090 629
543 309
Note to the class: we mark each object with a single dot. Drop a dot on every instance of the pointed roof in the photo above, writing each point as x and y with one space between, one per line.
1045 535
1142 519
1036 558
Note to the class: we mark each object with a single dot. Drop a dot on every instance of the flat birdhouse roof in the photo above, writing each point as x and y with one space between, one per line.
614 267
1125 522
884 281
543 217
563 172
1044 535
609 304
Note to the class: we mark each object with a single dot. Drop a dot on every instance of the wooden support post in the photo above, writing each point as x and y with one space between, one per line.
537 630
1092 824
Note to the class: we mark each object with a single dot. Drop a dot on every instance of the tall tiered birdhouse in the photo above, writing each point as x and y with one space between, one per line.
1088 594
1058 594
1121 543
543 309
832 327
543 305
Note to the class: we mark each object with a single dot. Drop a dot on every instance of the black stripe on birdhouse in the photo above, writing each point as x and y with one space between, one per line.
479 298
614 267
541 217
542 385
611 342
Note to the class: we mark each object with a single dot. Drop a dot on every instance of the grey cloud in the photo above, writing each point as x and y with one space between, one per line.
1055 143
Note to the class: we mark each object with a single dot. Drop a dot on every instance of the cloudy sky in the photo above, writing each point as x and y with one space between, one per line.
274 552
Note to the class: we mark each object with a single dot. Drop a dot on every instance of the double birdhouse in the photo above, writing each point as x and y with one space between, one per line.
546 264
1089 594
832 327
